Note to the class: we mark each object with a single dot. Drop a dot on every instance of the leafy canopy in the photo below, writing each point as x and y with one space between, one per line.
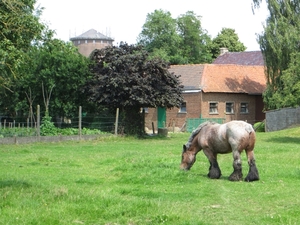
57 65
178 41
279 44
195 40
227 38
19 26
53 74
160 37
124 76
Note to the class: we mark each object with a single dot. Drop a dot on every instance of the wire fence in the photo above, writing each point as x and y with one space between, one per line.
26 127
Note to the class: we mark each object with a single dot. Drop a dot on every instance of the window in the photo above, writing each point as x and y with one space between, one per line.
78 42
182 108
86 41
94 41
145 109
229 107
213 107
244 107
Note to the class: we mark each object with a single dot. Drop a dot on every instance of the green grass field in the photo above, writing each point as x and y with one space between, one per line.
131 181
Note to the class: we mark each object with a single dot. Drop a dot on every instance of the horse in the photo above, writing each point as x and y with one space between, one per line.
213 138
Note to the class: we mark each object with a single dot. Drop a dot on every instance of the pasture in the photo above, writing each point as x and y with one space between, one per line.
117 180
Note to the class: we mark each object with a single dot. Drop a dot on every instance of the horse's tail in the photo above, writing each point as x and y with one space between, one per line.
252 138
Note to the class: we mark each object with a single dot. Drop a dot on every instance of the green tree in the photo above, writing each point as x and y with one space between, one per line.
195 40
19 26
125 78
52 77
159 36
279 44
178 41
227 38
291 80
256 4
58 72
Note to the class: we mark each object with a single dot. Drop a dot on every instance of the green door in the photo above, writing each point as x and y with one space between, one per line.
161 117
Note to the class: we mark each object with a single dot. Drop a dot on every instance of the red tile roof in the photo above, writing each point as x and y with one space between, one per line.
241 58
233 79
222 78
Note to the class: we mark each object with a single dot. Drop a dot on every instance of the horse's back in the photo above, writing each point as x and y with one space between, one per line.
238 126
240 133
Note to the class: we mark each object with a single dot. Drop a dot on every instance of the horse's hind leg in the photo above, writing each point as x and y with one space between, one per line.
237 174
253 172
214 169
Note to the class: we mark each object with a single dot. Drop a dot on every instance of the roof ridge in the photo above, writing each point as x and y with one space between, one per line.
91 34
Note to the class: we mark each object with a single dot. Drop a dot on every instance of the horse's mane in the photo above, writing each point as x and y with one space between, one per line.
196 131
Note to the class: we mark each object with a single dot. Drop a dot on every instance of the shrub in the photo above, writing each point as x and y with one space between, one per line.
259 127
48 128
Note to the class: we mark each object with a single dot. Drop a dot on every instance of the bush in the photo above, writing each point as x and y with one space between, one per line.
48 128
259 127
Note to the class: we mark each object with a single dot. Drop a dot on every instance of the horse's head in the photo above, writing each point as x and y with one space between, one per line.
188 157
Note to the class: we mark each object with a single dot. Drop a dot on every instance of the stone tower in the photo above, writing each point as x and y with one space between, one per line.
91 40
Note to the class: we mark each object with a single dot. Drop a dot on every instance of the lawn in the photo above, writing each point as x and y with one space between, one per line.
117 180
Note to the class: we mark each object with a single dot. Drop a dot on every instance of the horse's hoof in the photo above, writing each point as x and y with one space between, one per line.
214 175
251 178
236 177
253 173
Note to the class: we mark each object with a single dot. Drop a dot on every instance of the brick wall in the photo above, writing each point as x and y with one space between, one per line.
236 99
86 48
174 116
197 104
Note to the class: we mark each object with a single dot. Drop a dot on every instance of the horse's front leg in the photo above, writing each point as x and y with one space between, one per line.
214 169
237 174
253 172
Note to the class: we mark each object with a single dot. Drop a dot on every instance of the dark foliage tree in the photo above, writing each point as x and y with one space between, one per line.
227 38
125 78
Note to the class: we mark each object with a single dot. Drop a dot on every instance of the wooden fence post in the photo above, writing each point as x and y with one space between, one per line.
117 121
38 127
80 121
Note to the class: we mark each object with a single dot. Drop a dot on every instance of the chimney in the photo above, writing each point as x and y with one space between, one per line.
223 51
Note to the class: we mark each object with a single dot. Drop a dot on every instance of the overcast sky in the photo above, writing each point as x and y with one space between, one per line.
123 19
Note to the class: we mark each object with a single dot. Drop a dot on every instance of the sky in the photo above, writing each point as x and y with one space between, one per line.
123 20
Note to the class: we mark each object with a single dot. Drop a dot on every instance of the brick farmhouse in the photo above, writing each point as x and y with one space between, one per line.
229 89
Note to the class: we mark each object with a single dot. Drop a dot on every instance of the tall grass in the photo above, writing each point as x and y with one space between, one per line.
132 181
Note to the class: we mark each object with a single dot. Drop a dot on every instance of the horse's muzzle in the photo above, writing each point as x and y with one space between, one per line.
184 167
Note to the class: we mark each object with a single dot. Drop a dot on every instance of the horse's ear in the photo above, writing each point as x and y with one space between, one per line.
184 148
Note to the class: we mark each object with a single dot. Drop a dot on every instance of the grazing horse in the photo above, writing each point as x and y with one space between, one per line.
214 139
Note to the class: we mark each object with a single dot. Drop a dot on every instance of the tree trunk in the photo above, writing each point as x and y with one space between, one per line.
133 119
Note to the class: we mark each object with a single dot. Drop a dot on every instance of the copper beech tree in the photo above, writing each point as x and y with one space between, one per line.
124 77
